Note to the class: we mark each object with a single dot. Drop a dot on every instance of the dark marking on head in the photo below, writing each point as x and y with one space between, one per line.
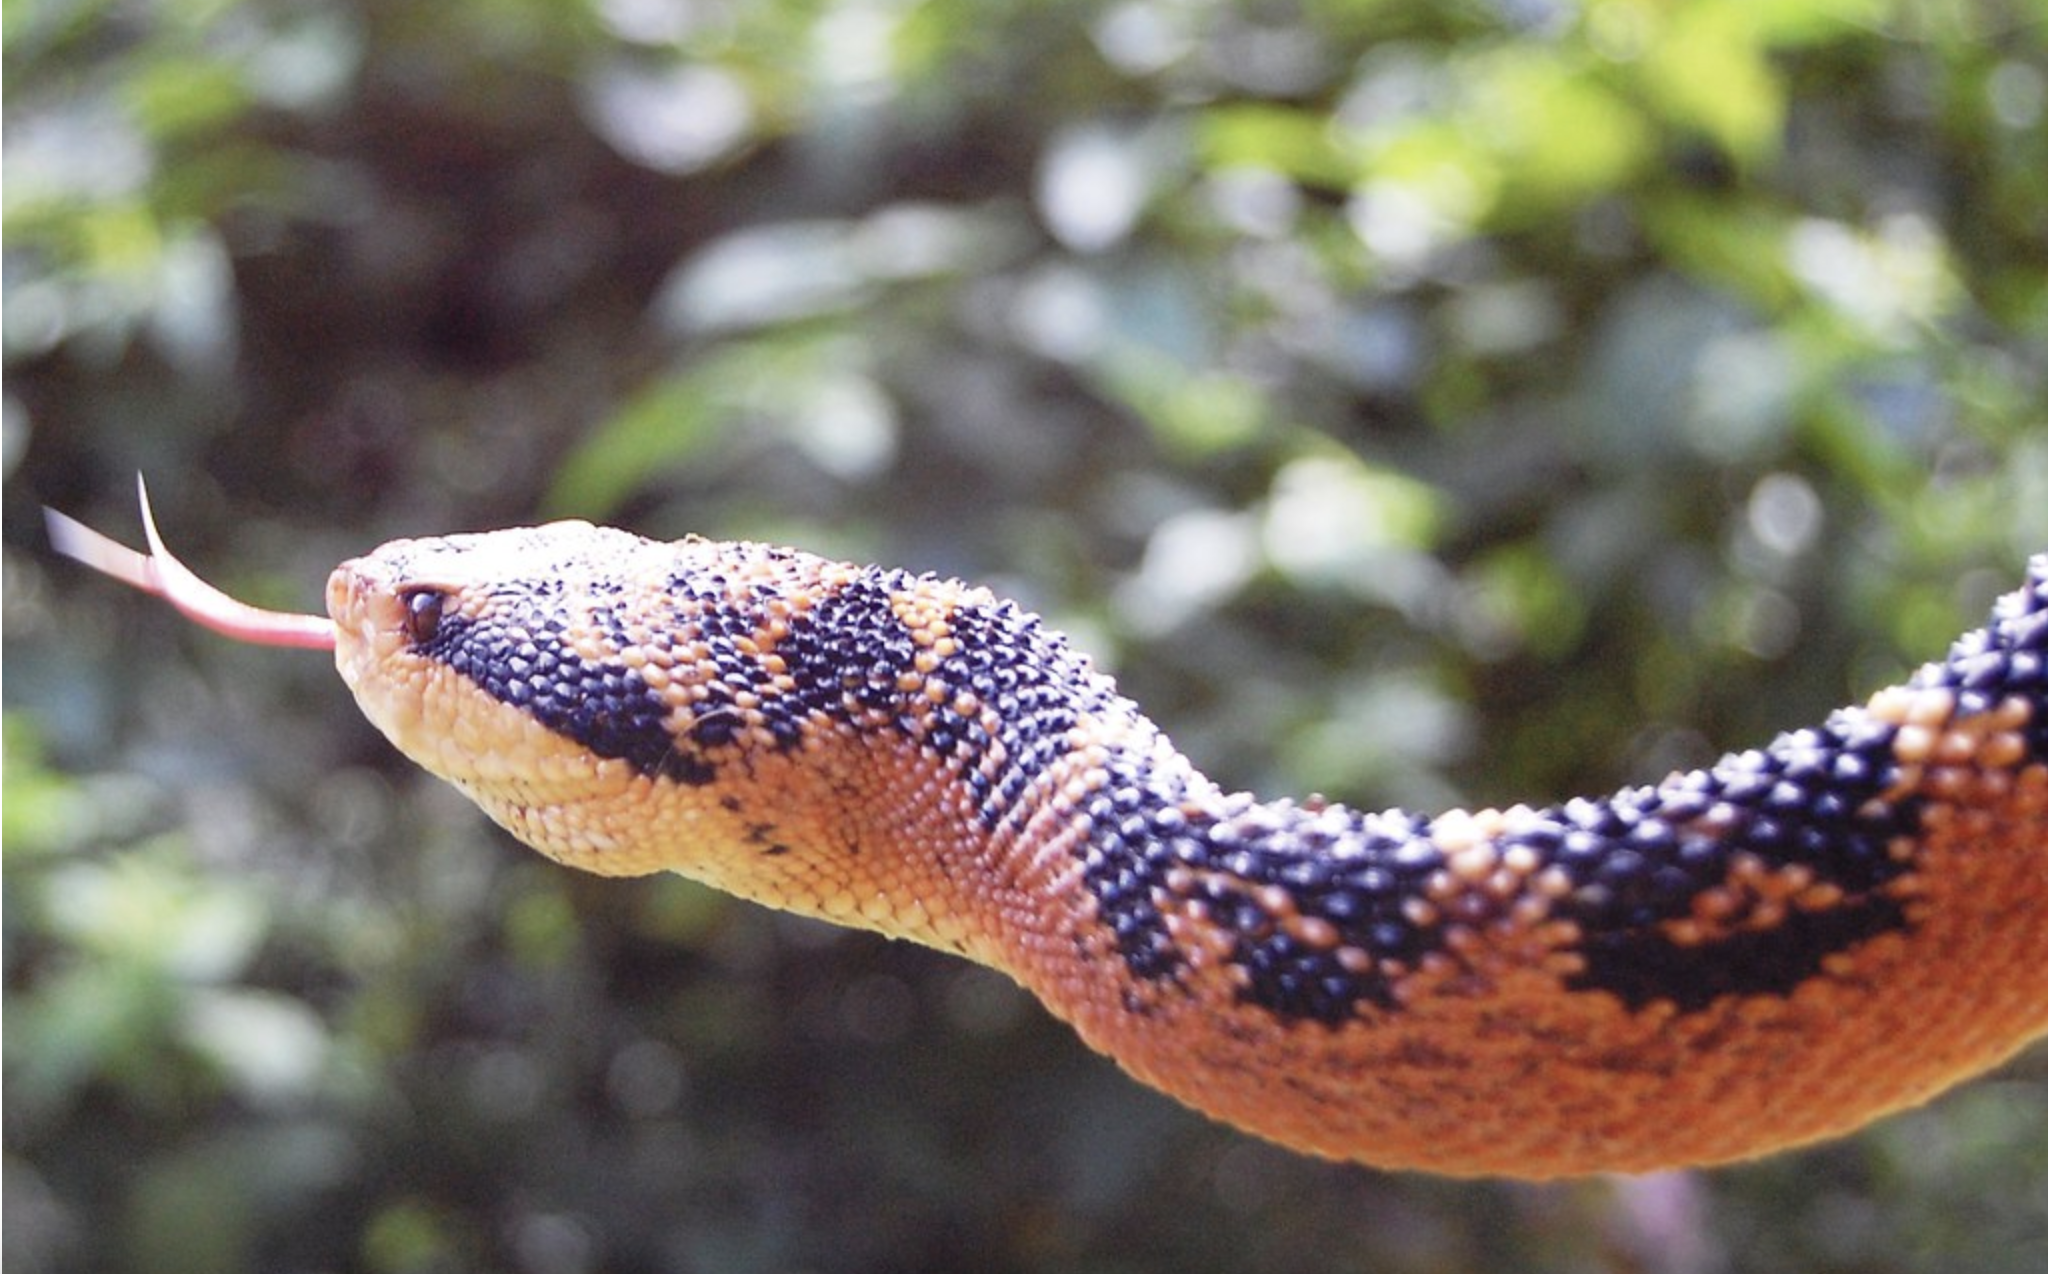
605 706
681 767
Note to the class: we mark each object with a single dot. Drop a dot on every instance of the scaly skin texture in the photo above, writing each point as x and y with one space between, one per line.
1775 950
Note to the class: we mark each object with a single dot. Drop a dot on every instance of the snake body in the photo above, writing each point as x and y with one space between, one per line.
1769 951
1773 950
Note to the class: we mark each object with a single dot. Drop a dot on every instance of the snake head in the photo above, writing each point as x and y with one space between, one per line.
461 650
525 666
800 732
746 715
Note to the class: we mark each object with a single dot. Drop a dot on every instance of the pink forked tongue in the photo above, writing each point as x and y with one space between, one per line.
159 573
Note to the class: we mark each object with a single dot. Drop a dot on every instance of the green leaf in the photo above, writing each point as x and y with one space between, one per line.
182 96
1303 144
1559 134
1709 70
664 425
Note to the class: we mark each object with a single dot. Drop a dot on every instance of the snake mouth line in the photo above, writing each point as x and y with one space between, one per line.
161 574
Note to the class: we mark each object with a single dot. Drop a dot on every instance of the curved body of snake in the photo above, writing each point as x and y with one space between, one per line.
1769 951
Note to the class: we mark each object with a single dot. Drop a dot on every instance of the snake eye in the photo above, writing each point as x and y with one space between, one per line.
423 614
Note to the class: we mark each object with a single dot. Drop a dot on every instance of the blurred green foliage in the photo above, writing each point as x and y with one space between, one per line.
1416 403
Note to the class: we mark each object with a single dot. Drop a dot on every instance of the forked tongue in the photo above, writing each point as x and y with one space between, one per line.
164 575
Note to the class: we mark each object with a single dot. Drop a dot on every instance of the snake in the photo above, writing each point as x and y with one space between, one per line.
1772 950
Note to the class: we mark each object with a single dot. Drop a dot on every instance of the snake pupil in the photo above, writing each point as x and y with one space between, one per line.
423 614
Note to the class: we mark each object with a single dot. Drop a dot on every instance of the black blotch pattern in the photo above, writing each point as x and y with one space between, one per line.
1630 860
2009 658
1638 860
1356 871
849 653
605 706
1633 862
